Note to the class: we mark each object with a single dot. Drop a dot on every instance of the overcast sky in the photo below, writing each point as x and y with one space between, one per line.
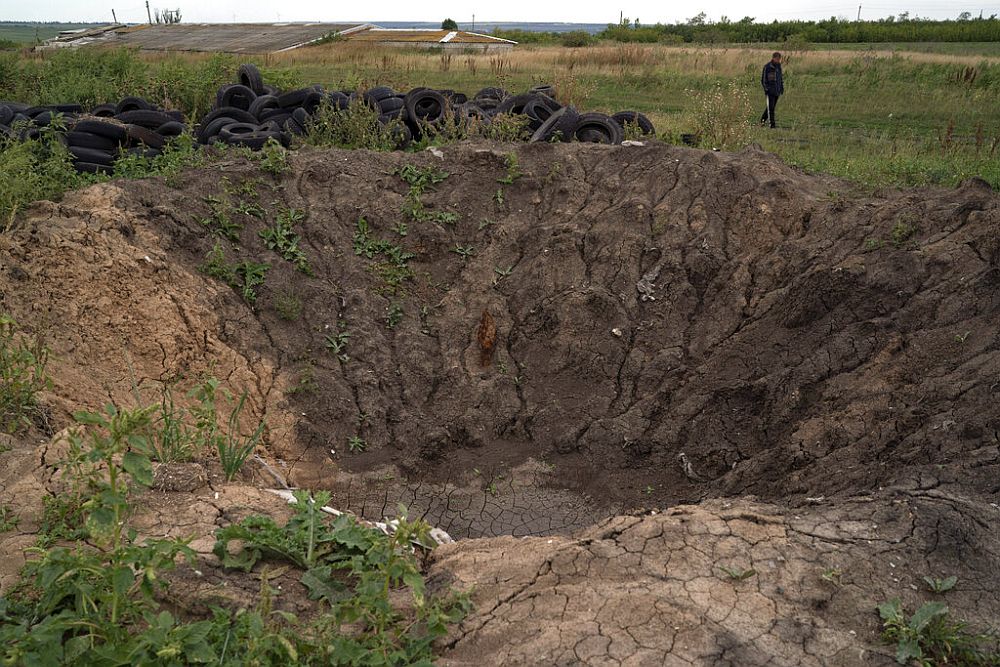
648 11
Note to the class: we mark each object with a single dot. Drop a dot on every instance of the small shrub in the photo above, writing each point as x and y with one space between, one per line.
931 637
576 39
288 306
357 126
722 116
281 239
22 376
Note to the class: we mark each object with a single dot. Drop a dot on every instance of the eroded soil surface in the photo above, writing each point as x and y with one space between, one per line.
613 328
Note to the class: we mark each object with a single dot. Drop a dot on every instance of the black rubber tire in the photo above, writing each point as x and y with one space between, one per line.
171 129
271 90
93 155
254 141
101 128
209 132
235 95
426 106
389 116
378 93
250 77
302 118
295 98
92 168
145 117
233 130
401 135
515 104
292 126
16 107
491 93
543 89
67 108
6 114
90 140
104 111
567 124
338 100
234 115
458 98
132 103
263 103
390 104
43 118
636 118
548 129
538 109
597 128
278 116
144 135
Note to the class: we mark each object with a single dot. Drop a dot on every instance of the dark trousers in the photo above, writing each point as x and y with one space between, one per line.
768 115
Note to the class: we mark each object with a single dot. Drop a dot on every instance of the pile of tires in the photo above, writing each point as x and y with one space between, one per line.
98 137
249 112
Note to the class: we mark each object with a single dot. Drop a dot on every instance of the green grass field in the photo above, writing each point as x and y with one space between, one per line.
32 33
904 118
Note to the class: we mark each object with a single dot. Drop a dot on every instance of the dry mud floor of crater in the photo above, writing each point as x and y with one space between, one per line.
617 328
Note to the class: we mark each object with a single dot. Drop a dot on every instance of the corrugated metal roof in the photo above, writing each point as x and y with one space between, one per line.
228 37
439 36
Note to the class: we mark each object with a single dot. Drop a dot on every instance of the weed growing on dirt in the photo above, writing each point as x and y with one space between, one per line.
941 585
901 233
288 306
738 573
250 276
394 269
393 315
83 605
356 444
173 437
306 383
337 342
35 169
22 376
357 126
272 158
281 239
832 575
230 444
931 637
365 618
178 154
721 116
513 169
220 221
8 519
464 251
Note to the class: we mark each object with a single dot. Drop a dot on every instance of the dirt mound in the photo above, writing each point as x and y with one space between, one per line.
528 342
723 583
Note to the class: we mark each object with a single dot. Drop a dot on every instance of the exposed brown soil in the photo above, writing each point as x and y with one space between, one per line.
632 327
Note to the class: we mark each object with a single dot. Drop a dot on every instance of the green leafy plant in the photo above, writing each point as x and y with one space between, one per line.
250 276
394 269
941 585
464 251
22 376
220 221
273 158
738 573
356 571
393 315
337 343
513 169
356 444
281 239
230 444
8 519
357 126
288 306
306 383
901 233
173 437
930 637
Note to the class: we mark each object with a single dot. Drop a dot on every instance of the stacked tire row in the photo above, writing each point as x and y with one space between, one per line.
96 138
249 113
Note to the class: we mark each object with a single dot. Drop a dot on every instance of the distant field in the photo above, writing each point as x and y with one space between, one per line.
29 33
949 48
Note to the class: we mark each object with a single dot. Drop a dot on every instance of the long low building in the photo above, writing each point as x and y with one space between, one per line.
271 37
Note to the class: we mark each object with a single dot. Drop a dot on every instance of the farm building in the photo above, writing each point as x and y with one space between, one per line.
270 37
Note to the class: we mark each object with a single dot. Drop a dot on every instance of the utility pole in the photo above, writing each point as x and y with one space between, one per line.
148 15
473 23
859 12
113 17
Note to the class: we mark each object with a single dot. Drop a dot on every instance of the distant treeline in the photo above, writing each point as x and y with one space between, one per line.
699 30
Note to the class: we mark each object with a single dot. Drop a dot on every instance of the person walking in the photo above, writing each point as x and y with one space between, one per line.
773 85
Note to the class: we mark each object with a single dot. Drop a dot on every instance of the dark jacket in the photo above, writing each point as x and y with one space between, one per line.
770 79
